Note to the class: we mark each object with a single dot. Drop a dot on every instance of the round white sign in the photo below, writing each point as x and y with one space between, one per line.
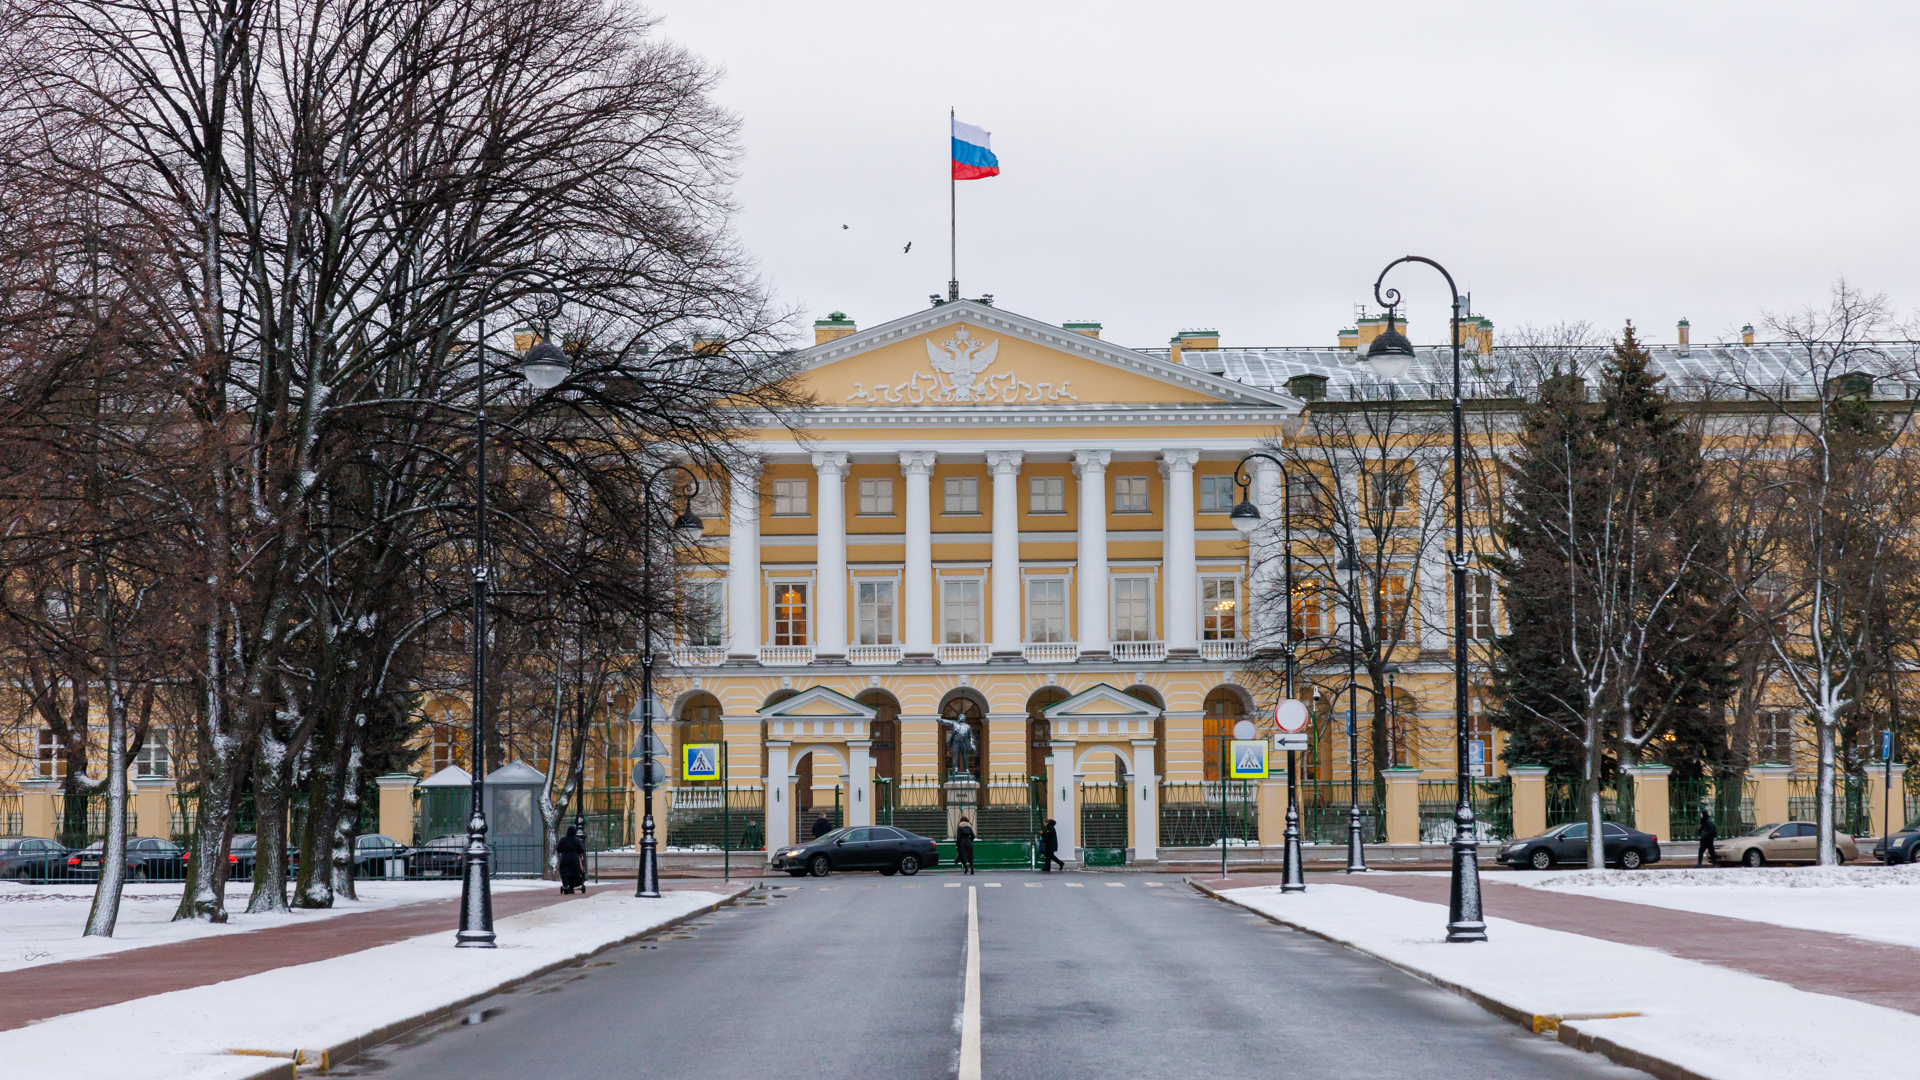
1290 716
1243 730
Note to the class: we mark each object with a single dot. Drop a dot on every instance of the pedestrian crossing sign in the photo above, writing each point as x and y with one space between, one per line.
700 761
1247 759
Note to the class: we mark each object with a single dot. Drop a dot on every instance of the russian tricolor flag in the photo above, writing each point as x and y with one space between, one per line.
972 159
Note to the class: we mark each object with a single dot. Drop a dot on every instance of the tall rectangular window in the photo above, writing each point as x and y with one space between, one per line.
1303 493
153 762
1046 495
1312 609
873 603
707 612
876 497
1480 607
442 750
963 495
1391 619
47 754
1386 491
1047 609
1219 609
1773 737
1129 494
1216 494
960 610
1132 609
789 613
790 498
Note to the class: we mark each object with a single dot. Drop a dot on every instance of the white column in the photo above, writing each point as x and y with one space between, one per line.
779 792
1146 803
1091 467
1066 822
917 611
743 564
1005 465
1266 602
860 781
830 556
1176 554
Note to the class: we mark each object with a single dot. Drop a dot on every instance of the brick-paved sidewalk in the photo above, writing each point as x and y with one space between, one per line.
47 990
1875 972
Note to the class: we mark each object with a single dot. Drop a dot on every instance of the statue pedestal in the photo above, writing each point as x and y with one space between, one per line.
963 799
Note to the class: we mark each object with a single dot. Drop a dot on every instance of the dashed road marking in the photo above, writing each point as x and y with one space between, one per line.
1034 885
1075 885
991 885
1154 884
1116 884
953 884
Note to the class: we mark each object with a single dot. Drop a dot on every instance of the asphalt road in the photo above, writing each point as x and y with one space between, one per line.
1110 976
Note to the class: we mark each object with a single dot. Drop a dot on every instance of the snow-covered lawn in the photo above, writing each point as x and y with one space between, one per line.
193 1033
41 924
1879 903
1719 1023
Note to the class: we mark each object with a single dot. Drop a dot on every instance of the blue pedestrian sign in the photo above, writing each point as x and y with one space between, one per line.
700 761
1247 759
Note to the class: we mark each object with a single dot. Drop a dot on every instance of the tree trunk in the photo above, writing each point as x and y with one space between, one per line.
1823 790
313 887
270 782
1596 840
346 813
113 860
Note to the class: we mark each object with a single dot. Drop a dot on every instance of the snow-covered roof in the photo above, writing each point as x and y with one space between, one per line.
1725 371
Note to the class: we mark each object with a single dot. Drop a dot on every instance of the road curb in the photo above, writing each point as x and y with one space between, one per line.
1564 1028
343 1052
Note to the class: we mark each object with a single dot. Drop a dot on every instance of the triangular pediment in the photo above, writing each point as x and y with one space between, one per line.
1101 701
818 703
964 354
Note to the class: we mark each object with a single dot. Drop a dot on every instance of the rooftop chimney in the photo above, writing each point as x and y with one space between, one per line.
1746 334
1091 329
1685 333
832 328
1194 339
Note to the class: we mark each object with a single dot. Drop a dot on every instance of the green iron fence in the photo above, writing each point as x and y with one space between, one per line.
609 825
1566 801
1010 808
1729 801
79 820
1851 808
807 818
919 805
716 818
1324 808
1492 802
1197 815
12 818
1103 824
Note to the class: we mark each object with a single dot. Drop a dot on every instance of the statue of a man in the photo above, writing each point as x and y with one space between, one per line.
962 747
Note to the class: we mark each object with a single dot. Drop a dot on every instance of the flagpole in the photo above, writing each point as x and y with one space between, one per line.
953 217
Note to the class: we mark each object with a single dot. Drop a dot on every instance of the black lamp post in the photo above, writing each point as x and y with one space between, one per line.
1390 355
687 527
545 366
1246 518
1356 848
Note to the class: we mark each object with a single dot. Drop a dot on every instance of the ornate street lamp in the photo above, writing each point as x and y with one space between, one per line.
1246 518
687 528
1356 848
545 367
1390 355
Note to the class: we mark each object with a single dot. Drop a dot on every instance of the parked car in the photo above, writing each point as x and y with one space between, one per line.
244 849
149 858
1565 845
32 858
442 856
376 856
1782 842
875 847
1906 844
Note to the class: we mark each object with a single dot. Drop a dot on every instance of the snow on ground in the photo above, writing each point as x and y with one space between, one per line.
1721 1024
1878 903
191 1033
41 924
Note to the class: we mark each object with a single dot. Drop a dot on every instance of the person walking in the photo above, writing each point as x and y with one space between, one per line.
1049 848
1709 832
573 861
821 826
963 845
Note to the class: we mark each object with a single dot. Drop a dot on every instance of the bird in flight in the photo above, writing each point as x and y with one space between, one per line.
843 226
908 248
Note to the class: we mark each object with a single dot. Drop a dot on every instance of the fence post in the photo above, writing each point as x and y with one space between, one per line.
1271 812
153 806
1403 805
396 806
1770 792
860 782
1145 796
1877 797
1529 799
1650 799
37 815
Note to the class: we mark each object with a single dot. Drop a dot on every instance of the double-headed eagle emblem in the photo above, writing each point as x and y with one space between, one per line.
961 359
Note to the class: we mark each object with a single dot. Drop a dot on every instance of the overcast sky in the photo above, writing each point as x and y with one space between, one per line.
1251 167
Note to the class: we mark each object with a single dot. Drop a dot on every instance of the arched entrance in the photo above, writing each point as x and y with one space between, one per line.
884 731
1224 707
700 722
966 707
1040 729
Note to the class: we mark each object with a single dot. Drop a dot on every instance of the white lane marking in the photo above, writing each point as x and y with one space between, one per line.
953 884
1075 885
913 886
1154 884
1034 885
970 1008
828 888
1116 884
991 885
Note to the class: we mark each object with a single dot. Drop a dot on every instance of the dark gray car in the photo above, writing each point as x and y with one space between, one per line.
1566 845
32 858
869 847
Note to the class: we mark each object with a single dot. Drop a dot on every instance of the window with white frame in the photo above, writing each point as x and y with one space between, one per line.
1312 608
960 610
876 496
441 744
1132 608
1773 737
707 612
1392 619
963 495
1216 494
1047 609
790 612
706 503
789 498
1480 607
873 612
1386 490
1220 609
1129 494
1046 495
152 762
1303 493
47 753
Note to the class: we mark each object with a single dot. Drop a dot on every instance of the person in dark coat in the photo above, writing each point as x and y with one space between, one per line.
821 826
1709 832
1049 848
573 861
963 845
